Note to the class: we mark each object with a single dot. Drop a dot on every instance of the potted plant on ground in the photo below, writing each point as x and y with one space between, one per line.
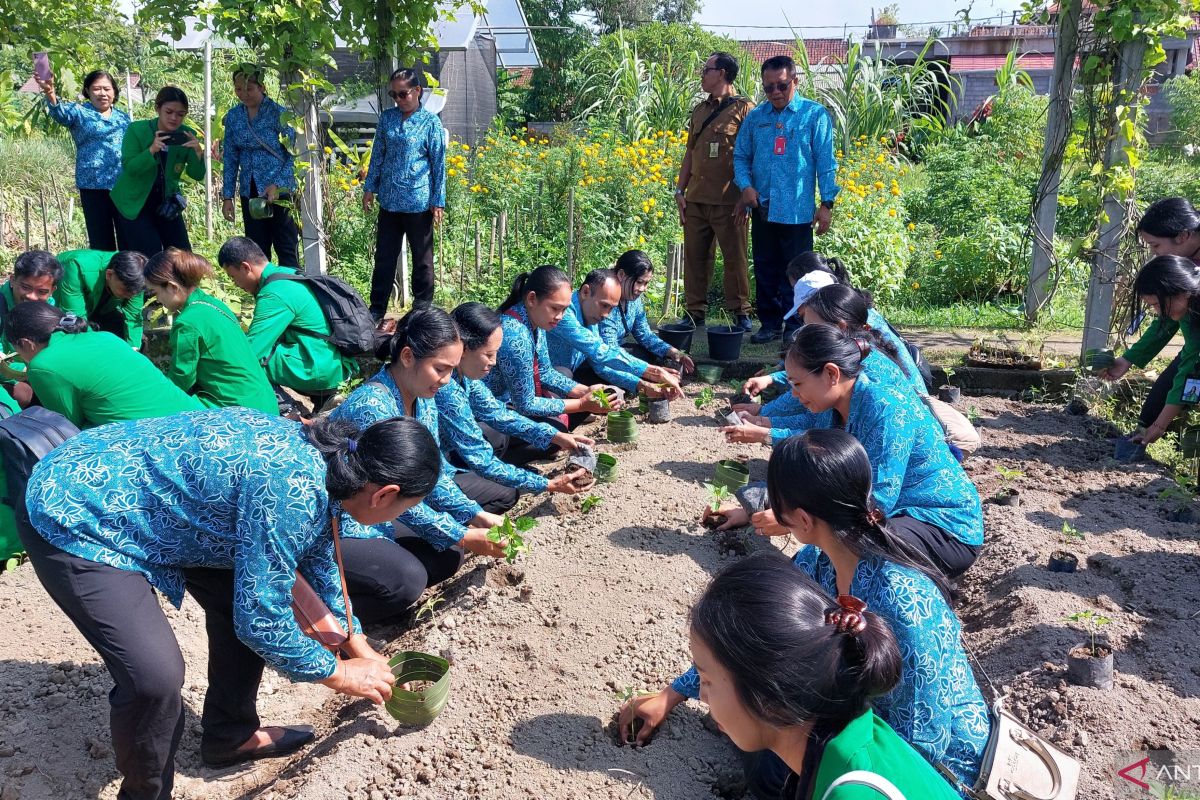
1090 665
731 474
948 393
1007 494
725 340
621 427
422 687
1064 560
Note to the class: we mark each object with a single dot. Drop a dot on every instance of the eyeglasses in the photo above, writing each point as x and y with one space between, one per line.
780 87
707 70
403 93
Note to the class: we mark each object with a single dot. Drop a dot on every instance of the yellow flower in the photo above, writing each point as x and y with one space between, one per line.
451 172
466 148
328 151
912 227
879 159
891 212
895 191
651 201
915 286
641 240
937 253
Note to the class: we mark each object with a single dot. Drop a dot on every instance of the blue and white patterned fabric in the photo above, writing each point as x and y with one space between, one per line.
408 162
877 323
787 183
512 379
227 488
572 341
631 321
461 433
487 409
915 474
937 706
788 415
254 150
97 141
440 516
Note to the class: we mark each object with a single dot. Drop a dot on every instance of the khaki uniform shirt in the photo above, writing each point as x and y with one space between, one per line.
712 152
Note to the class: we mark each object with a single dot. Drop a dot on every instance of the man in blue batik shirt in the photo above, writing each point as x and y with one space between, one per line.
783 153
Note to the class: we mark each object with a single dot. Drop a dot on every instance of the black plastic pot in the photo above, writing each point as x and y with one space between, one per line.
1189 442
660 412
725 342
949 394
1098 360
1127 451
677 335
1085 669
1009 497
1078 407
1062 561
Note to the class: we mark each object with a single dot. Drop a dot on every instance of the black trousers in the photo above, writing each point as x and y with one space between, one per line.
102 220
117 611
387 577
1156 399
277 232
394 226
773 245
150 234
494 497
946 552
516 451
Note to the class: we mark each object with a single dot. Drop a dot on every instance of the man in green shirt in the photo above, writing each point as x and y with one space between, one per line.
289 334
106 289
36 275
10 542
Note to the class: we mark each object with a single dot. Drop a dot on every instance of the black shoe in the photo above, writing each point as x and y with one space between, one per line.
294 737
765 335
743 322
690 320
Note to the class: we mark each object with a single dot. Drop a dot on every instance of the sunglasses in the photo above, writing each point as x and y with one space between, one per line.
780 87
402 94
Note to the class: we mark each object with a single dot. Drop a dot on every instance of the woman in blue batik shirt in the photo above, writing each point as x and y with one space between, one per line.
408 174
634 269
98 128
820 486
230 505
258 165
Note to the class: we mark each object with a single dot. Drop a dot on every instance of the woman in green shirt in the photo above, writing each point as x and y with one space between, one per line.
105 288
90 377
785 668
210 355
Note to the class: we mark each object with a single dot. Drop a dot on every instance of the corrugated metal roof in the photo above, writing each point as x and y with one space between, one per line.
1028 61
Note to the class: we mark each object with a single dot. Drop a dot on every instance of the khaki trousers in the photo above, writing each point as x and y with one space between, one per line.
705 226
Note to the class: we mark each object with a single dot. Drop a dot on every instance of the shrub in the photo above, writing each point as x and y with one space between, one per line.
986 259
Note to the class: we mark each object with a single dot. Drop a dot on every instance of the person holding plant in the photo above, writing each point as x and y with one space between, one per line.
211 357
97 127
524 375
578 351
820 485
230 505
460 426
35 277
634 269
783 153
155 155
408 173
1169 285
106 289
259 168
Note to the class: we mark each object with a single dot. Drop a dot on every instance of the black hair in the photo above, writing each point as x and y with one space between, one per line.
240 249
726 63
96 75
814 346
422 330
476 322
840 304
251 72
409 76
597 278
764 621
1163 277
181 266
811 261
38 264
635 264
170 94
36 320
129 267
542 281
398 451
1169 217
779 62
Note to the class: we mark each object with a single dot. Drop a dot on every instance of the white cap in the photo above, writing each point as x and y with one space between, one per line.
809 283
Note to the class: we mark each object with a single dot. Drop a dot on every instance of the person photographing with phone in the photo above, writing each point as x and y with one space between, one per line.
155 156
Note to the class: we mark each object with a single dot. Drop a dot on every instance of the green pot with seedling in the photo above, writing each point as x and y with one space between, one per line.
1064 560
1099 359
947 392
710 373
1090 664
1007 494
422 687
718 496
606 468
511 532
621 427
731 474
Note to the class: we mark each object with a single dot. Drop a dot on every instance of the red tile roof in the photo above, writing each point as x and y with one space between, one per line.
820 51
1034 61
521 75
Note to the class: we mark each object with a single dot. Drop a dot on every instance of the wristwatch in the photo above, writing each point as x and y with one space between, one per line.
828 204
678 191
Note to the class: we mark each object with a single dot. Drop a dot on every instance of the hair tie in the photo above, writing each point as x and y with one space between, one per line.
876 517
351 445
863 347
848 616
67 322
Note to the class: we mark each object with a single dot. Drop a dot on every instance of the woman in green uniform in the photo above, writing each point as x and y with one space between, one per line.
90 377
10 543
210 354
106 289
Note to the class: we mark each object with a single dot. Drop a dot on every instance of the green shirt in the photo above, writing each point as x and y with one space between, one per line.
868 743
211 357
10 542
1156 337
139 168
93 378
83 291
289 336
15 364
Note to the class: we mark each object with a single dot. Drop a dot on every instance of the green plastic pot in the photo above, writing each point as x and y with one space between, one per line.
621 427
1097 359
1189 442
259 208
420 707
643 403
731 474
606 468
710 373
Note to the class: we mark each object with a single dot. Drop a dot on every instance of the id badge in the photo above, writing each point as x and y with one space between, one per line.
1191 391
713 148
780 145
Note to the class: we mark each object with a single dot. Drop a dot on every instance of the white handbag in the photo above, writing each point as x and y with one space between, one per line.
1020 765
861 777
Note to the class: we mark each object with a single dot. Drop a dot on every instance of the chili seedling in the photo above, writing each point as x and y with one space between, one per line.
510 532
590 502
717 495
706 396
427 608
973 415
1091 622
1007 478
1071 534
601 398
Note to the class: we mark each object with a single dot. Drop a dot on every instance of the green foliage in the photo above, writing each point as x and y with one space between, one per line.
430 605
611 15
686 47
64 28
705 397
987 258
1183 92
590 502
510 533
1091 621
560 38
1071 534
601 398
15 561
1007 478
717 495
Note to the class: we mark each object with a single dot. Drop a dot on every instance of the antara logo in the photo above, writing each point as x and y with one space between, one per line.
1138 767
1161 768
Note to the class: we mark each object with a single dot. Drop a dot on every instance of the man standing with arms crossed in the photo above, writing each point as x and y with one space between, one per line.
706 195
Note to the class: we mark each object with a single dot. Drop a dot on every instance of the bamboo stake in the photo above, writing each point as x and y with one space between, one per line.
45 221
62 215
571 234
492 247
28 204
503 233
478 260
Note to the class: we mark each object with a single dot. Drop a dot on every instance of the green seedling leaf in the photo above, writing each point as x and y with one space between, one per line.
1091 621
1071 534
1008 476
524 524
705 397
510 534
601 398
427 608
590 502
717 495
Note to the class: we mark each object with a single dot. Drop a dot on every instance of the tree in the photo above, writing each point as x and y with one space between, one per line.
560 39
613 14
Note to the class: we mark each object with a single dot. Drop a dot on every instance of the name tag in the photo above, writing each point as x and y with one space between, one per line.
1191 391
713 148
780 145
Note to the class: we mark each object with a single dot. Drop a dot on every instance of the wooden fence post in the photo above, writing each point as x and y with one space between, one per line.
45 221
28 205
478 254
503 233
571 234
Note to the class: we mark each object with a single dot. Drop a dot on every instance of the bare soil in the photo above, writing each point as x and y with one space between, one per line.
543 649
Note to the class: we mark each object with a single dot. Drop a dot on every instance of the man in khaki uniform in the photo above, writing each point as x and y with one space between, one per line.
706 195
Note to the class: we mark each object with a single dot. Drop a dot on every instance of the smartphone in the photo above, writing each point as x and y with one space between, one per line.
41 67
175 137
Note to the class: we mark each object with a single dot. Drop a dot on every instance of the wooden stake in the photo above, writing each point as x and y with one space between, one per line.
478 260
492 247
503 233
62 215
45 221
28 205
571 234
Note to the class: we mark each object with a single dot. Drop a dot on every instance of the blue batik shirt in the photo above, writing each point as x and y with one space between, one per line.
408 162
789 416
97 141
572 341
629 319
787 183
255 150
487 409
228 488
936 706
461 433
439 518
512 379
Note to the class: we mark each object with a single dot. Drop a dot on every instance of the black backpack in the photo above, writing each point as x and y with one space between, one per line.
25 439
351 327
